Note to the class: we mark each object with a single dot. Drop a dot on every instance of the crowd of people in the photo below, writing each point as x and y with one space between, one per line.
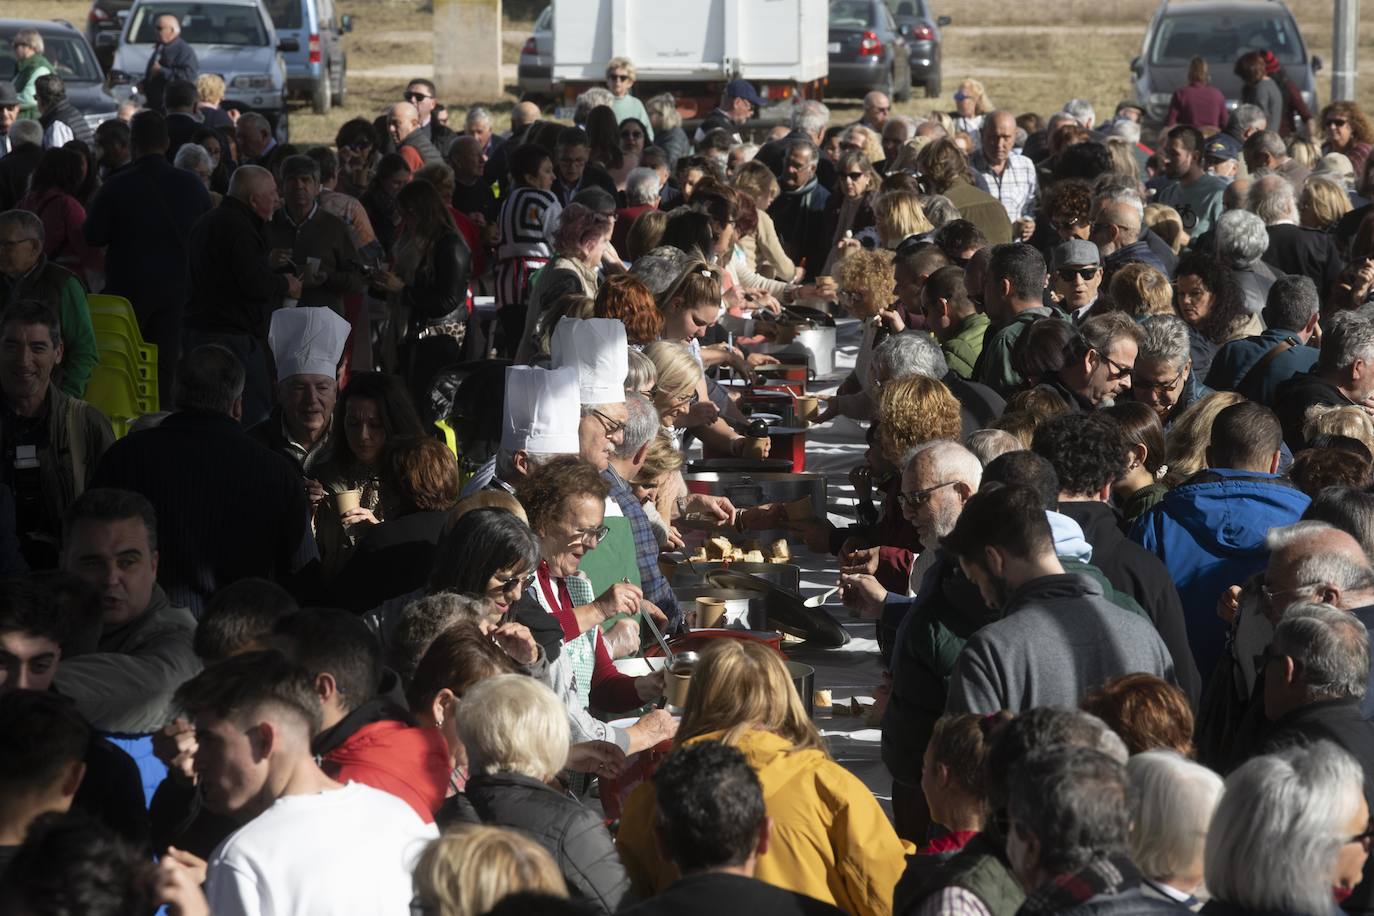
286 648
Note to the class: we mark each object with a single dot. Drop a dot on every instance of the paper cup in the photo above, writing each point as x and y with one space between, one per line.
675 686
348 499
806 409
710 612
754 448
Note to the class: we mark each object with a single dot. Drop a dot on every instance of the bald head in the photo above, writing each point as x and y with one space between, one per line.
1315 562
522 114
949 460
402 120
1233 198
999 137
254 186
1116 224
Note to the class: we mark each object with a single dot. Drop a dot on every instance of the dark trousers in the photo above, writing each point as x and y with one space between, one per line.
257 384
163 328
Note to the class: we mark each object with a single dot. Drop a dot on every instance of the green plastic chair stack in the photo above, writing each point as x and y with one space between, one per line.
123 383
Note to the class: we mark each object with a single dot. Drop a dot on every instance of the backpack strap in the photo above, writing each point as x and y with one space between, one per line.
1274 353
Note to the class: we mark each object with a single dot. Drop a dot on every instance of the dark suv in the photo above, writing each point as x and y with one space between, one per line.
923 40
1219 32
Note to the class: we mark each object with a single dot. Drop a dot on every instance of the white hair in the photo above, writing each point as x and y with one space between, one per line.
665 106
1126 129
1349 337
1081 110
906 354
1275 835
512 723
988 444
1271 198
25 131
1241 237
477 115
954 461
1330 647
191 155
1172 800
642 186
811 116
1164 337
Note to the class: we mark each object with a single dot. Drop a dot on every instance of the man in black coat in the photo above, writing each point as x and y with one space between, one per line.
172 59
712 824
571 171
799 211
1342 376
227 508
1315 672
234 286
1294 249
143 214
182 123
1088 452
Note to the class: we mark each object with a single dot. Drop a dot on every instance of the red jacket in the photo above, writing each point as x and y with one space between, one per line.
411 763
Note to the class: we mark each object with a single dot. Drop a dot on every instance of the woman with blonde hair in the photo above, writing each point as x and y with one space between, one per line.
471 868
678 377
1166 223
666 123
657 487
912 411
1139 290
762 248
898 216
1322 203
1349 421
1124 161
860 139
971 103
832 841
1191 433
866 281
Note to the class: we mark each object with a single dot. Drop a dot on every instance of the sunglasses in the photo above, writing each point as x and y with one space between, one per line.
1336 122
1068 274
960 96
619 77
852 176
1116 370
417 96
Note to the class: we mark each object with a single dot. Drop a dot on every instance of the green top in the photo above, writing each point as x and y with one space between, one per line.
25 77
995 369
79 352
1143 500
963 347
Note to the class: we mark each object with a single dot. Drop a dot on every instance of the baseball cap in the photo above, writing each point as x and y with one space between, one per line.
1222 146
1075 253
743 89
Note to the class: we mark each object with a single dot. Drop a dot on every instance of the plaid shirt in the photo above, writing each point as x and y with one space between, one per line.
1015 187
656 588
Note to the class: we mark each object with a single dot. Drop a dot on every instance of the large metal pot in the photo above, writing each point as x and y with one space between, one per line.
746 490
818 345
804 679
744 610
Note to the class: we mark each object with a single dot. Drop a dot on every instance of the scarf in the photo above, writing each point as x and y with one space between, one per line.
1103 875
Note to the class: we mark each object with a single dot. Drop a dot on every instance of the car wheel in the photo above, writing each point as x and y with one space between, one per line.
321 96
341 87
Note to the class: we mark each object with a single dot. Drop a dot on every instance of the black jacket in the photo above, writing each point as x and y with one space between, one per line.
1137 572
390 559
800 220
322 235
440 287
227 508
181 127
1133 902
144 214
1293 399
15 169
233 286
592 177
572 833
1306 252
718 893
66 112
979 405
112 792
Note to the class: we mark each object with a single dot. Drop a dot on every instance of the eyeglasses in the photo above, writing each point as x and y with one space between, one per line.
1067 225
1067 274
1140 384
674 400
852 176
591 536
618 77
417 96
1269 594
610 425
510 585
918 498
1365 839
1336 122
1116 370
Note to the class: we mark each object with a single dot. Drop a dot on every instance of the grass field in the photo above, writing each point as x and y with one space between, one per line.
1031 57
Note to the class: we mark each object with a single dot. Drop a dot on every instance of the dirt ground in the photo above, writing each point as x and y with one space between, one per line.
1029 56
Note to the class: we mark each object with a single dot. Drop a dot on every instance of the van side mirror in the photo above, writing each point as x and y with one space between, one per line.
1316 62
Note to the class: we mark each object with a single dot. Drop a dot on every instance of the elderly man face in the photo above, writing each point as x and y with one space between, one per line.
307 403
877 108
932 498
422 97
252 140
572 162
480 130
28 354
300 192
798 169
739 109
1078 284
403 121
167 29
263 198
1158 383
19 250
998 136
466 159
895 135
600 432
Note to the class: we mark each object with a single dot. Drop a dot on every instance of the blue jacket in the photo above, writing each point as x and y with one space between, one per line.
1210 534
1235 359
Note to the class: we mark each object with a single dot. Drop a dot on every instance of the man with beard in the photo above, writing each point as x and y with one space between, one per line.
1191 190
1034 656
799 212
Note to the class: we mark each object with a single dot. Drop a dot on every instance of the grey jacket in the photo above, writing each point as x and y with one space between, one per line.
126 686
1059 639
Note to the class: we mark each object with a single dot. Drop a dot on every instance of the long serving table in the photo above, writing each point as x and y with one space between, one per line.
854 670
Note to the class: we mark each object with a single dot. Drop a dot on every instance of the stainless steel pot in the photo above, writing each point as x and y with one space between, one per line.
786 576
743 610
818 344
804 679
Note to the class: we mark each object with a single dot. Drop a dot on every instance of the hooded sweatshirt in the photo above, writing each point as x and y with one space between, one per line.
1210 532
379 745
831 840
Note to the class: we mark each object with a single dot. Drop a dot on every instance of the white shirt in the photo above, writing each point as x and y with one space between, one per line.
57 134
341 852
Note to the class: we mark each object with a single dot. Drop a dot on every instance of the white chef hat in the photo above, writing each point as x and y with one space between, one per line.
542 410
598 348
307 341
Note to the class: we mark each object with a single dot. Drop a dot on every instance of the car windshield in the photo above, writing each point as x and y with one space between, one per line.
286 14
1222 39
69 55
201 24
851 14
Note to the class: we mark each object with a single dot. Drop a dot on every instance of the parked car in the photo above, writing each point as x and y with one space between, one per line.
103 24
1219 32
72 59
233 38
317 70
923 41
534 76
867 51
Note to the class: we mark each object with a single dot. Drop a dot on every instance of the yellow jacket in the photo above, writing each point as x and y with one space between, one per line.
831 840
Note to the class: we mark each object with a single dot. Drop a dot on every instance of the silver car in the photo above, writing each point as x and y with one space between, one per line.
232 38
534 76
